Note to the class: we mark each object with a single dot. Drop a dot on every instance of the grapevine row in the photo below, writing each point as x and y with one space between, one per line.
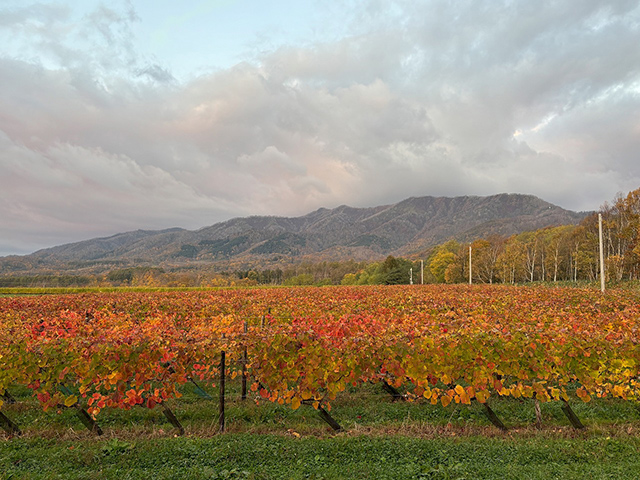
441 344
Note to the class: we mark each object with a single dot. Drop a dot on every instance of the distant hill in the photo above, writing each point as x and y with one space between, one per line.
403 229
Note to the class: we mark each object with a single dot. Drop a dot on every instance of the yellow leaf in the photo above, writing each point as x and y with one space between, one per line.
516 391
70 401
617 391
459 389
481 396
582 393
295 403
427 393
446 400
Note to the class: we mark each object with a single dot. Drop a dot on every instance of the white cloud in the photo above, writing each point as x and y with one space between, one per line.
68 192
412 98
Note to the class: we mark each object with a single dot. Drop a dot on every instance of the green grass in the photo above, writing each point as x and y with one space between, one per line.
357 457
17 291
23 291
20 291
381 439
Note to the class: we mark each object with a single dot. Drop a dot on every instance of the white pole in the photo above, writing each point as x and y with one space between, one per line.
601 254
421 272
411 276
470 281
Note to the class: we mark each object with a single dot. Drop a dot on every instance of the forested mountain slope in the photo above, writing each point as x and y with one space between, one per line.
405 228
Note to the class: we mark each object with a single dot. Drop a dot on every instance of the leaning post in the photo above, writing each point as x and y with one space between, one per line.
601 253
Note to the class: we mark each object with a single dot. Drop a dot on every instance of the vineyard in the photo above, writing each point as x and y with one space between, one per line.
436 344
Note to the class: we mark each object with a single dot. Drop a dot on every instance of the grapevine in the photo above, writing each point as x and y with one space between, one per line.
441 344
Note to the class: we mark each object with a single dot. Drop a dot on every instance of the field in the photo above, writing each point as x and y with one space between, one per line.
363 382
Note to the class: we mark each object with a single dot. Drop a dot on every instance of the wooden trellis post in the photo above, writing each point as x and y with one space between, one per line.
329 419
222 387
493 418
391 390
7 397
324 415
245 358
8 425
173 420
82 414
573 418
87 421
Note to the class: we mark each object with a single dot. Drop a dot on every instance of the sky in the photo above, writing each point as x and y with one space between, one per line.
150 114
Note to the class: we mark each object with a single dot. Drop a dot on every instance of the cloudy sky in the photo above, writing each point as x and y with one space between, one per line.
152 114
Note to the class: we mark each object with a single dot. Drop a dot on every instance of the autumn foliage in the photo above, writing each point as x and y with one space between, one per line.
440 343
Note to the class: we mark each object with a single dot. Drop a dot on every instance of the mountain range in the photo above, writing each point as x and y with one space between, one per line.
407 228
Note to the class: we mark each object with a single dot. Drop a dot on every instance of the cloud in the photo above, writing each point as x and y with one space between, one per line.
157 73
99 43
411 98
67 192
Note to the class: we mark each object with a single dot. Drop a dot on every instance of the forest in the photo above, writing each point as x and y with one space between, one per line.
564 253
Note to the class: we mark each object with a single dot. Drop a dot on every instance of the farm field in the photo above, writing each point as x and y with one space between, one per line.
415 370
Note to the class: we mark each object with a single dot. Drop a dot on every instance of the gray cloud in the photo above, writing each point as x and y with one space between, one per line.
157 73
417 98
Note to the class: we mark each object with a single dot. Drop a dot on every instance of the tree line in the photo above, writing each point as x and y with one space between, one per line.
553 254
567 253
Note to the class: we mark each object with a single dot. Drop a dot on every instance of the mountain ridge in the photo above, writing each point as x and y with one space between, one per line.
407 228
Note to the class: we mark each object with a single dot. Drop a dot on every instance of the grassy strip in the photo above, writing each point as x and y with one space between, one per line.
14 291
359 457
21 291
382 439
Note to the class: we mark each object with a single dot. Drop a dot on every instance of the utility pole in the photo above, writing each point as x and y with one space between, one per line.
470 277
601 254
